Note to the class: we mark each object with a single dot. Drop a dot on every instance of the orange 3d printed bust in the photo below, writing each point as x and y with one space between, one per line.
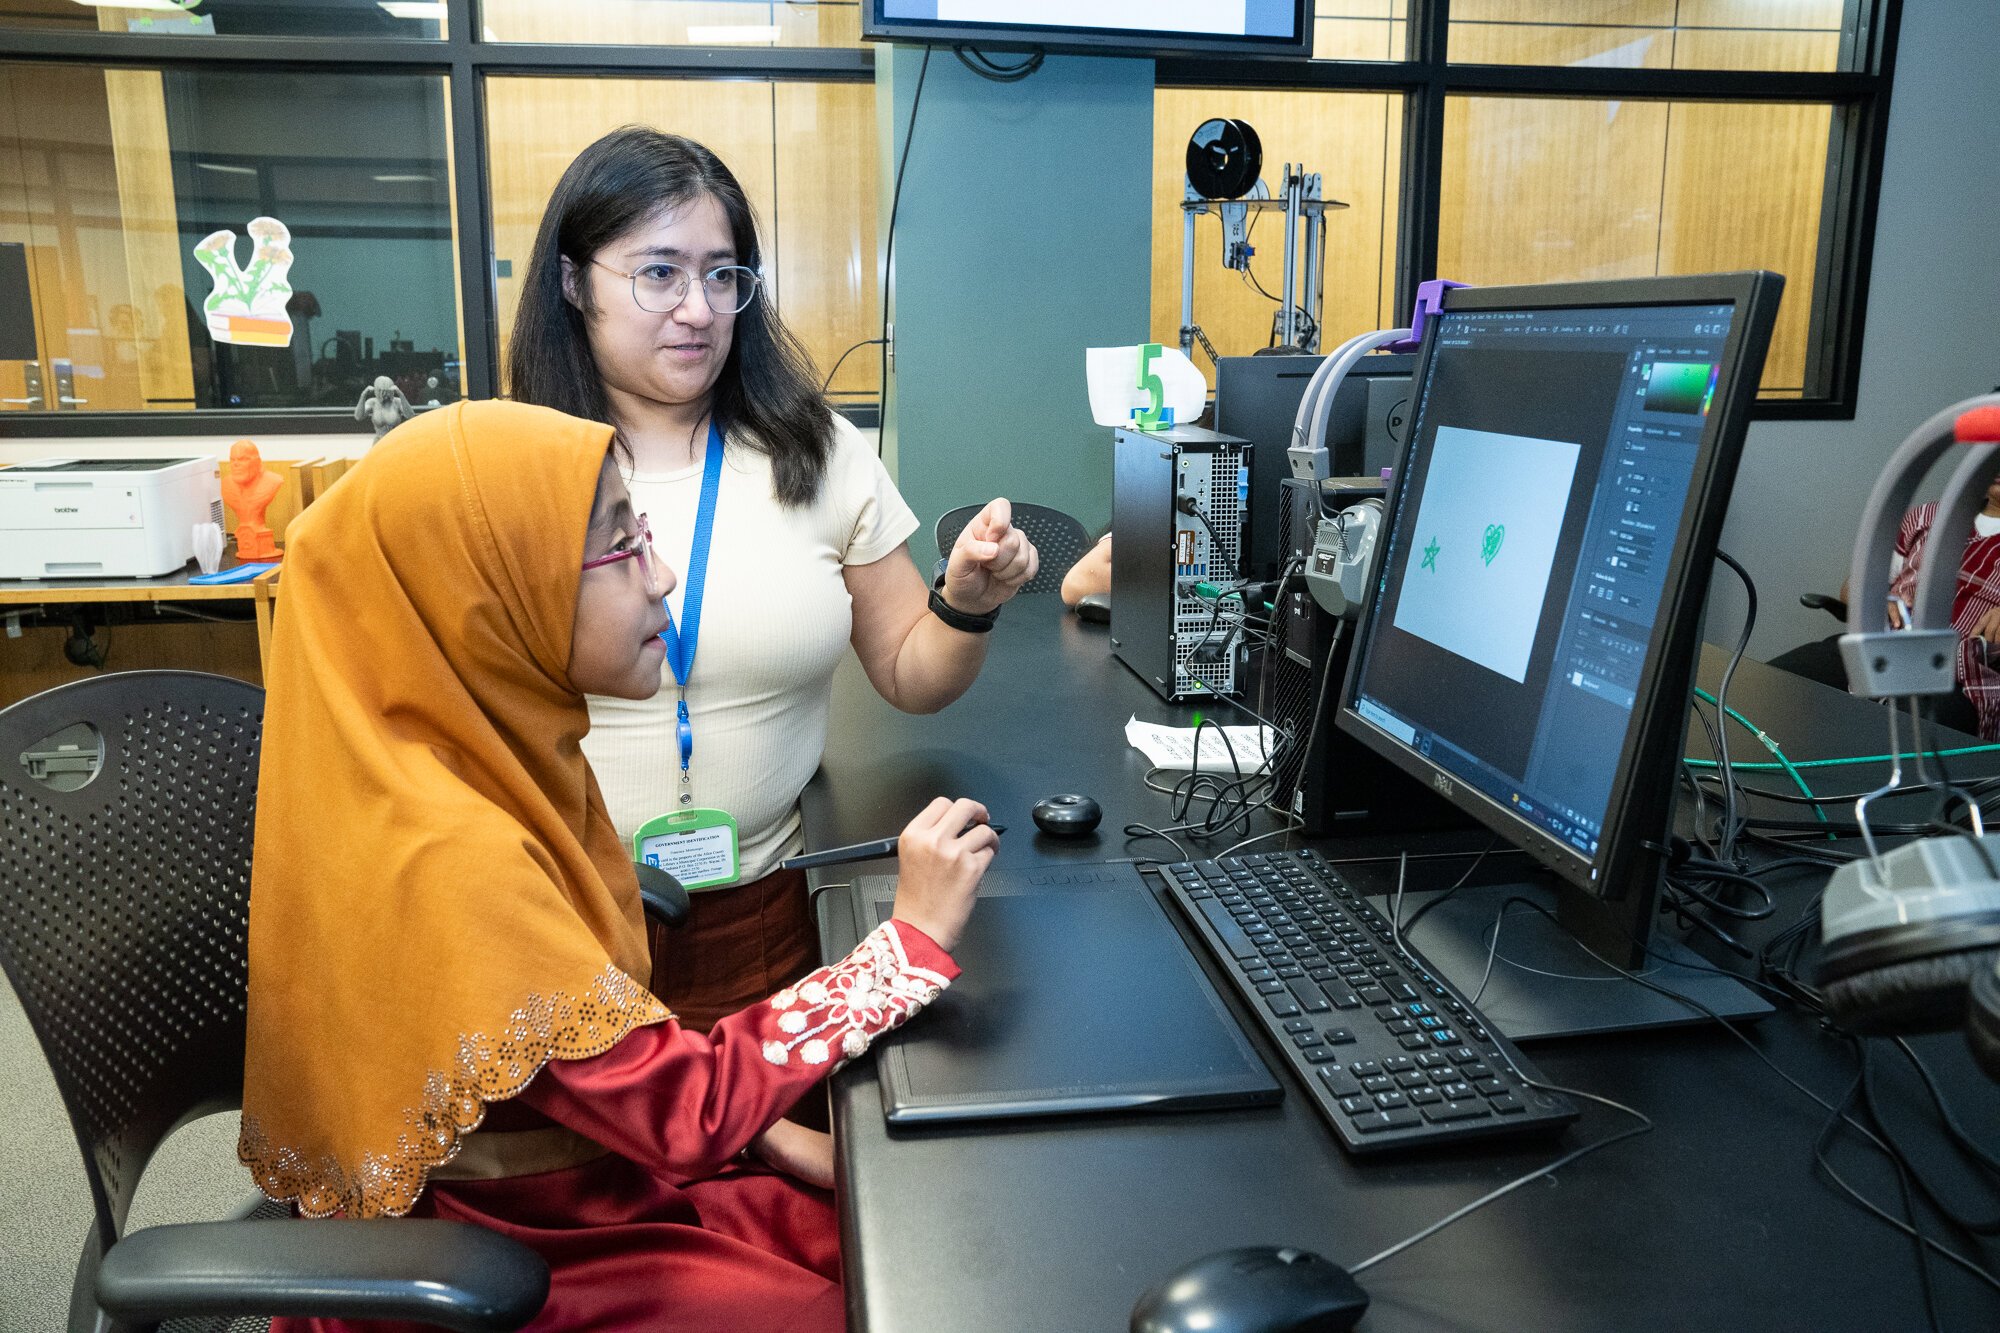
247 488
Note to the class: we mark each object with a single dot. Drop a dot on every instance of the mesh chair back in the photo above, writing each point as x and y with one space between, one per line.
1061 540
124 903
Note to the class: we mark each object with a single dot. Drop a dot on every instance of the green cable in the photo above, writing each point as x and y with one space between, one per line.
1769 744
1854 759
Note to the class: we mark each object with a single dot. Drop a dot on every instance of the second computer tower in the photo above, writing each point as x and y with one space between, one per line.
1177 523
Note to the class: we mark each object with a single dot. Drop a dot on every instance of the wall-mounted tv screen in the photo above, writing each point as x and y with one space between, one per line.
1098 27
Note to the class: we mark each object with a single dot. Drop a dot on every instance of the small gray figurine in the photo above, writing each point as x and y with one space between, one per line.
383 406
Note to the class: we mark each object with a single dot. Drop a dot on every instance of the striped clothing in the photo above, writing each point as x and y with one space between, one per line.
1977 593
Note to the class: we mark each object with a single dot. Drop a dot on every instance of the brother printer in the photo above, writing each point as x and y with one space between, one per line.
70 518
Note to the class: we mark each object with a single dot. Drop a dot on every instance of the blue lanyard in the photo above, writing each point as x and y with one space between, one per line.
680 646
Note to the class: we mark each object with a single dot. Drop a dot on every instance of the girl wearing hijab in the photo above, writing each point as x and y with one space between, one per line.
448 1014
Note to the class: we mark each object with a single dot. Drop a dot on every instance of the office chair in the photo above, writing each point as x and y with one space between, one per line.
1819 660
1060 539
127 807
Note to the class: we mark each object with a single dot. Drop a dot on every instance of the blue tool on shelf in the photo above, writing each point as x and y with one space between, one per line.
236 574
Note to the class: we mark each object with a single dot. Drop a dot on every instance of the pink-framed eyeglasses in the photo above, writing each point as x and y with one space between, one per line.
638 547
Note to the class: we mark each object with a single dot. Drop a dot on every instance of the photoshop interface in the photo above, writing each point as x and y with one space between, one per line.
1549 478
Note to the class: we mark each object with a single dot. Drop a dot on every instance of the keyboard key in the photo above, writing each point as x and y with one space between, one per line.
1340 1082
1507 1104
1270 988
1400 1118
1488 1087
1282 1006
1474 1070
1425 1096
1298 1025
1366 1069
1372 995
1398 1064
1319 1055
1444 1037
1412 1078
1463 1056
1402 1025
1261 974
1357 1105
1379 1083
1287 973
1389 1101
1305 1039
1343 998
1340 1036
1455 1092
1444 1112
1310 997
1433 1060
1226 929
1411 1041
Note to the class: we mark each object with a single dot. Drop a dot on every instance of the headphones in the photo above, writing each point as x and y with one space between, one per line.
1911 937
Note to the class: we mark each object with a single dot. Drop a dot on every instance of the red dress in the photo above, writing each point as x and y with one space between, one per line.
665 1232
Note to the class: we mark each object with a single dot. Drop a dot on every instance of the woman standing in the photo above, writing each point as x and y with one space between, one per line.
643 306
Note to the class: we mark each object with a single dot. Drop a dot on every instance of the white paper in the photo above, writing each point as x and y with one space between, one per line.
1113 376
1173 747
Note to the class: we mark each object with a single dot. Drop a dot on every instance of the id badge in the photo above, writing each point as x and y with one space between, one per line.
696 847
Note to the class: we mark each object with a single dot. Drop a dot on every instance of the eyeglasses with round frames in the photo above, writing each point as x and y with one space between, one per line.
660 288
638 547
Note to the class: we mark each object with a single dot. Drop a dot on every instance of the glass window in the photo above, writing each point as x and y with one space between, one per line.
1361 29
216 238
1548 190
674 22
1649 34
1354 141
804 152
422 19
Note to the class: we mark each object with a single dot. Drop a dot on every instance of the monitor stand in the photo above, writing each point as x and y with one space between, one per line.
1543 982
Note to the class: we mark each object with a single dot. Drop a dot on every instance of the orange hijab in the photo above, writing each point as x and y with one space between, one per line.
438 902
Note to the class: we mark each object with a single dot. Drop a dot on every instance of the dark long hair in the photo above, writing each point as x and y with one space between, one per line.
768 393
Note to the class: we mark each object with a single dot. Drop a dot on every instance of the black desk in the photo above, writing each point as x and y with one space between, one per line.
1714 1221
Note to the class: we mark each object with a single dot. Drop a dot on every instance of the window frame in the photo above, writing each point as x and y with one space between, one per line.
1859 94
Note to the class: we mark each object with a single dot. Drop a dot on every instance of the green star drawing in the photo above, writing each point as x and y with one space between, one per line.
1431 556
1495 534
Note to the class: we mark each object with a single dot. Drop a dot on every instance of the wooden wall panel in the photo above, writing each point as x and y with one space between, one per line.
827 289
1743 190
151 221
1352 140
1547 190
536 127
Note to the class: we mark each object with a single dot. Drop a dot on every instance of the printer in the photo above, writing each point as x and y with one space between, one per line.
76 518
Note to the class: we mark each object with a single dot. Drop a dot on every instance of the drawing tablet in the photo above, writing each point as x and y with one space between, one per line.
1077 995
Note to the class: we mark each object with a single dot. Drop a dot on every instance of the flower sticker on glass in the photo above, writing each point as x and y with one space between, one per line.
248 303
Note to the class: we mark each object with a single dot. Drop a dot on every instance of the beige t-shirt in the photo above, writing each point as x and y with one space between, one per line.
775 621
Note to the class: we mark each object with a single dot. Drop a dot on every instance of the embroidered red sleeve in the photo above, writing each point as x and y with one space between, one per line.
837 1011
683 1103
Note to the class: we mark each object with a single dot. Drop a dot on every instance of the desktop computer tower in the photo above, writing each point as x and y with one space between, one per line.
1257 398
1337 786
1177 515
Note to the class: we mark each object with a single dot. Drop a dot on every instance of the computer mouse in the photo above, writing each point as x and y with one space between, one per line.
1066 816
1255 1290
1094 607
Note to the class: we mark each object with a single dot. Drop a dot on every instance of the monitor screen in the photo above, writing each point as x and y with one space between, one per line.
1139 27
1540 587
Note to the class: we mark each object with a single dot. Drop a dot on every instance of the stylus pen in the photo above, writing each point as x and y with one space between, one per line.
860 851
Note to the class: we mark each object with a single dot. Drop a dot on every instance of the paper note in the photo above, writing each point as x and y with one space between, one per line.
1173 747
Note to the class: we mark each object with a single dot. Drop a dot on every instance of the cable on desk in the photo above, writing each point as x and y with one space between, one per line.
1839 1113
1820 1143
1977 1226
1645 1126
1401 927
1729 827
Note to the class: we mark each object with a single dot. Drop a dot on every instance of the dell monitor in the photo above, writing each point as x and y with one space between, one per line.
1098 27
1532 643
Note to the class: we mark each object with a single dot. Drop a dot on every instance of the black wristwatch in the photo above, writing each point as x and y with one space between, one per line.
963 621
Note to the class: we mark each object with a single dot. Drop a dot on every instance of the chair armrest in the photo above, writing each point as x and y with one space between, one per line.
449 1274
665 900
1819 601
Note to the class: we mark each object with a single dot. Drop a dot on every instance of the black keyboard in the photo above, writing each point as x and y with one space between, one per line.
1393 1056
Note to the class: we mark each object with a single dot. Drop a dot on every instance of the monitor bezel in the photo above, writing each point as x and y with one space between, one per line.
1085 41
1617 886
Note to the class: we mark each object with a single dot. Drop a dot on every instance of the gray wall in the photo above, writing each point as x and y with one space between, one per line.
1024 237
1933 332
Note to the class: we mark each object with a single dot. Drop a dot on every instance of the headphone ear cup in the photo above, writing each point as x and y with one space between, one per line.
1982 1021
1919 995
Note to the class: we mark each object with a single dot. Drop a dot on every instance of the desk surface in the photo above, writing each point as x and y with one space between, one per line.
1716 1220
167 588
